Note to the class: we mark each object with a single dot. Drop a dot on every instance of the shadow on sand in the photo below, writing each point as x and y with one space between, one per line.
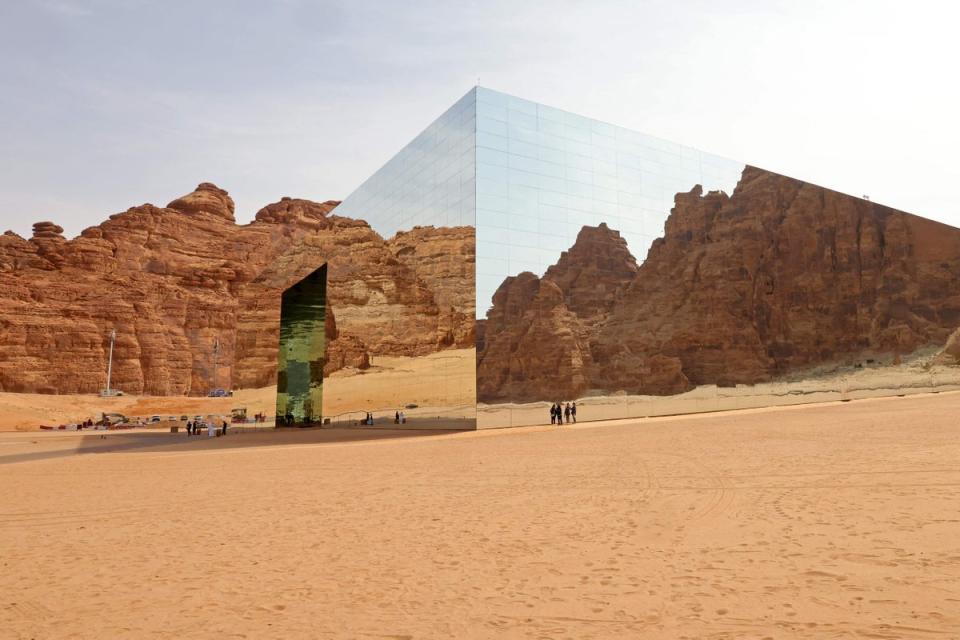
62 445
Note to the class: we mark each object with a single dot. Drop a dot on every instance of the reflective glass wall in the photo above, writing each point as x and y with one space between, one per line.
620 275
431 181
402 296
301 354
543 174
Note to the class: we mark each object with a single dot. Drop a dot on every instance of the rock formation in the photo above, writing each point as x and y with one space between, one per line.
536 338
444 260
174 280
777 277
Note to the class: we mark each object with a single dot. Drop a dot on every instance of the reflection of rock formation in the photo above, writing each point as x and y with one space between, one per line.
779 276
444 260
536 338
382 304
173 279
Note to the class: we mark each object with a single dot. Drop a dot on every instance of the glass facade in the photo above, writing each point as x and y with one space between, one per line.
621 274
302 349
404 308
431 181
543 174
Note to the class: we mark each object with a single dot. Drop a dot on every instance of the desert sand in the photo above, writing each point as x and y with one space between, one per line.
441 384
832 520
918 375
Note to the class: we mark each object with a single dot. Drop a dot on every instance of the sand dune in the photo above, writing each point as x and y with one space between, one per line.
823 521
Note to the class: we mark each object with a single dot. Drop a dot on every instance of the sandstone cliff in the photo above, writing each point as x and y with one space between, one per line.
174 280
779 276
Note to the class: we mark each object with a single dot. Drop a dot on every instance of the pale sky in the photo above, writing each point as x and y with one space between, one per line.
106 104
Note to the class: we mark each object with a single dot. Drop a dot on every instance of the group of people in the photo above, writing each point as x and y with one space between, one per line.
195 428
399 418
558 412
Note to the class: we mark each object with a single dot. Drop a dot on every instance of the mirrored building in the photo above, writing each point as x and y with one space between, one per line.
553 260
543 174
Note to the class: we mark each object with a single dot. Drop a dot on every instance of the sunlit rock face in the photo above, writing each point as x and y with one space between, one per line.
778 276
175 280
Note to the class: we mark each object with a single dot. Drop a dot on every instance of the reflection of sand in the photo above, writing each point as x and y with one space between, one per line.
906 379
822 521
442 384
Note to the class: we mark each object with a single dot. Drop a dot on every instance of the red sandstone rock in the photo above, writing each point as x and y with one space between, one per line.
535 347
594 272
206 199
174 280
445 260
779 276
381 305
950 354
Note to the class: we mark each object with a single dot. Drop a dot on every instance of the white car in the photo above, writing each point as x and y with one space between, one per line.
153 420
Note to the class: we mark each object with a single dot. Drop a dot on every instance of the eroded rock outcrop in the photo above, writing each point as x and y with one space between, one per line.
536 337
445 260
382 304
779 276
950 354
174 280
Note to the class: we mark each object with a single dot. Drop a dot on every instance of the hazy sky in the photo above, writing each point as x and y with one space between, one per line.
106 104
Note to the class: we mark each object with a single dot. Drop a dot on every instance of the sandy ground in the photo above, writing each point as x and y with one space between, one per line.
836 520
442 384
916 376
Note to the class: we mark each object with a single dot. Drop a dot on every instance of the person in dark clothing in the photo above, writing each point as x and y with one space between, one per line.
553 414
396 418
573 411
189 428
566 412
224 427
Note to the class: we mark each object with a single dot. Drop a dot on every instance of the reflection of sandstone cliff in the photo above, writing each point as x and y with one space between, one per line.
444 260
536 338
171 280
779 276
381 305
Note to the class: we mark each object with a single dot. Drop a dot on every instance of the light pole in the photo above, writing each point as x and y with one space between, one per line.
113 338
216 354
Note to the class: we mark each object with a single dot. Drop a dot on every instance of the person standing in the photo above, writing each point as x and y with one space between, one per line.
224 427
189 428
566 412
573 412
553 414
396 418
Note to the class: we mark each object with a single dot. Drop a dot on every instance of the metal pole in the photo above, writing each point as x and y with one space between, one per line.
216 353
113 337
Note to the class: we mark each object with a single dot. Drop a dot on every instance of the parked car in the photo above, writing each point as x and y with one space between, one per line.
184 418
219 393
153 420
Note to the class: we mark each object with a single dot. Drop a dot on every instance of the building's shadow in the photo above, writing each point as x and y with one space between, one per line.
99 442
